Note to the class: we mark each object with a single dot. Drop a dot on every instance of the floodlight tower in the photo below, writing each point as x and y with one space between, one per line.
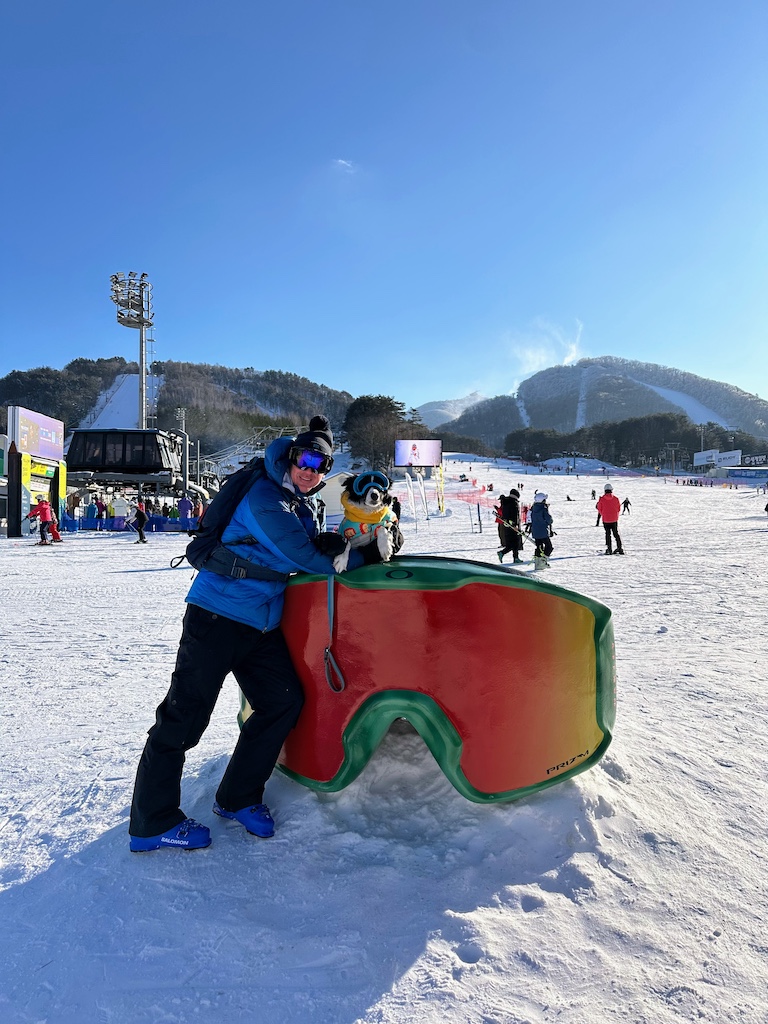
133 297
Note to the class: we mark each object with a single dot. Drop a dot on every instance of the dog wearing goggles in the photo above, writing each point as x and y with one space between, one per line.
368 517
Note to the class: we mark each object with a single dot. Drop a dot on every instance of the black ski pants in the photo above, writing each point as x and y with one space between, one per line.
543 547
510 540
211 647
611 533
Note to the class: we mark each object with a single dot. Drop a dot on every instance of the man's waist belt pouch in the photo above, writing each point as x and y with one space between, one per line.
224 562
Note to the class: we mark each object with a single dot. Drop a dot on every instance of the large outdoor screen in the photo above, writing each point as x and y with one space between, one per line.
36 434
418 453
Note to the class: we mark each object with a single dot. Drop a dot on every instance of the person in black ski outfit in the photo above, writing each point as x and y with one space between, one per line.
140 519
509 525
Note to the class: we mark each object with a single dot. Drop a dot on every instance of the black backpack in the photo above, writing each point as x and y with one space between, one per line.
205 550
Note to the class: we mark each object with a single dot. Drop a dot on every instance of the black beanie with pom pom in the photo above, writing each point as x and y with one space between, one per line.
319 437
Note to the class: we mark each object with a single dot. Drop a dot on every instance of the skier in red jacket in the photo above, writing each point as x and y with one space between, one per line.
42 511
609 507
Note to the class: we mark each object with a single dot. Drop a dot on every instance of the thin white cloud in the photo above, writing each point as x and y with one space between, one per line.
544 344
345 166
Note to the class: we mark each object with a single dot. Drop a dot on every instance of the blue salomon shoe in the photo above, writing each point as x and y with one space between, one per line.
257 820
189 835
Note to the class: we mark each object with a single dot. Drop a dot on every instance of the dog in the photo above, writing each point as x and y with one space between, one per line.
368 517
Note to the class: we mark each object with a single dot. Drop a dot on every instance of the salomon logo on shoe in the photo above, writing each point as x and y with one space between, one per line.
189 835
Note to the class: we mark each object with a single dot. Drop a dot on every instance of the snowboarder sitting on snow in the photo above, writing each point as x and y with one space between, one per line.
608 507
541 529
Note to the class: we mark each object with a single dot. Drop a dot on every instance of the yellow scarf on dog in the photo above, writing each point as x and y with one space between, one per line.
359 515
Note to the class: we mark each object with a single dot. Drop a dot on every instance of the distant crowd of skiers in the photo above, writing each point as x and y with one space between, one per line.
103 514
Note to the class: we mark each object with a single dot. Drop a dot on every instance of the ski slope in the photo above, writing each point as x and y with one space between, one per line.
636 893
696 411
118 407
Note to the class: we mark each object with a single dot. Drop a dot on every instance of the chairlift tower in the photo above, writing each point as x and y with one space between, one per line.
133 297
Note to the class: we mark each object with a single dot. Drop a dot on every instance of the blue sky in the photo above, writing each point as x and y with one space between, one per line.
418 198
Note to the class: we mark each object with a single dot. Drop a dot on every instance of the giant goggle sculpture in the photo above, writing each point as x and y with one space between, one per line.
509 680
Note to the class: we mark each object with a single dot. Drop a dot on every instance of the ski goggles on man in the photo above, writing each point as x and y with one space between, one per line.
305 458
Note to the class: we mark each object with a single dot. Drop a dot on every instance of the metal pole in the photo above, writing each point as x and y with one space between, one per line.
142 376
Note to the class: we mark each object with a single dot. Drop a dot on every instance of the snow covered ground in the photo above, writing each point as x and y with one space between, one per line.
635 893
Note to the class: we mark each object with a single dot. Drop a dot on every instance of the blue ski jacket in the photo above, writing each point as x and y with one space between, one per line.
541 520
274 526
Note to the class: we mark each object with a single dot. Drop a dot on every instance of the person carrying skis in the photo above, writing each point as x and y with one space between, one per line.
232 624
541 530
608 507
509 525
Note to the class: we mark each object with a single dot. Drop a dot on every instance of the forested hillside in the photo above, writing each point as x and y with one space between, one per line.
633 442
608 389
67 394
740 408
224 405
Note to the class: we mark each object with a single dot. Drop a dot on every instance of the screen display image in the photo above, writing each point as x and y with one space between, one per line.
418 453
36 434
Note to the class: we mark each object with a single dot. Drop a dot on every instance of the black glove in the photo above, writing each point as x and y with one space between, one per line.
330 544
371 554
397 539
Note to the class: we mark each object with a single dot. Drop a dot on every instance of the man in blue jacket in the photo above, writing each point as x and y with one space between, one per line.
233 625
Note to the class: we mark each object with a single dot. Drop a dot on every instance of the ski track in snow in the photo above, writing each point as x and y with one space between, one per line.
635 892
581 405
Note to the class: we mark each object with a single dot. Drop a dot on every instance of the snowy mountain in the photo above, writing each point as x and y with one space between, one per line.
567 398
435 413
591 391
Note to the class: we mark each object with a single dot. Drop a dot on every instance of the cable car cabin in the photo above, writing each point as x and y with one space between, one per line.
130 456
